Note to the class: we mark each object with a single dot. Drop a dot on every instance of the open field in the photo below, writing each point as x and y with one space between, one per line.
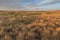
44 25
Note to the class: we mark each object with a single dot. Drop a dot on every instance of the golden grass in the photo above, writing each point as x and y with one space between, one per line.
29 25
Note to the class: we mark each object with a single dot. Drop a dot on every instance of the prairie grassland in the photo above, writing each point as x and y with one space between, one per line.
29 26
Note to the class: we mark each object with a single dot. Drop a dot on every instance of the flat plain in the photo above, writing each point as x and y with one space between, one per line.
29 25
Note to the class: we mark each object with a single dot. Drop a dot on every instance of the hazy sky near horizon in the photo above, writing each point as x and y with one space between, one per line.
29 5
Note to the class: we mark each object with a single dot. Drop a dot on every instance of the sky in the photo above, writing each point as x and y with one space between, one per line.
29 5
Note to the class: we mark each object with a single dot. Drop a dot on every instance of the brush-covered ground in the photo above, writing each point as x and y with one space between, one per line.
29 26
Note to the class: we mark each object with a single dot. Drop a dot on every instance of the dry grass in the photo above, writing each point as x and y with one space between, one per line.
29 26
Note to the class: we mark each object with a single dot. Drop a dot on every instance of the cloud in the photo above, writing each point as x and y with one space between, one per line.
43 3
10 4
25 4
38 5
46 2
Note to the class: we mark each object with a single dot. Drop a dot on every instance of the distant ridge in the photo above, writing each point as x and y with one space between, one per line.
29 11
